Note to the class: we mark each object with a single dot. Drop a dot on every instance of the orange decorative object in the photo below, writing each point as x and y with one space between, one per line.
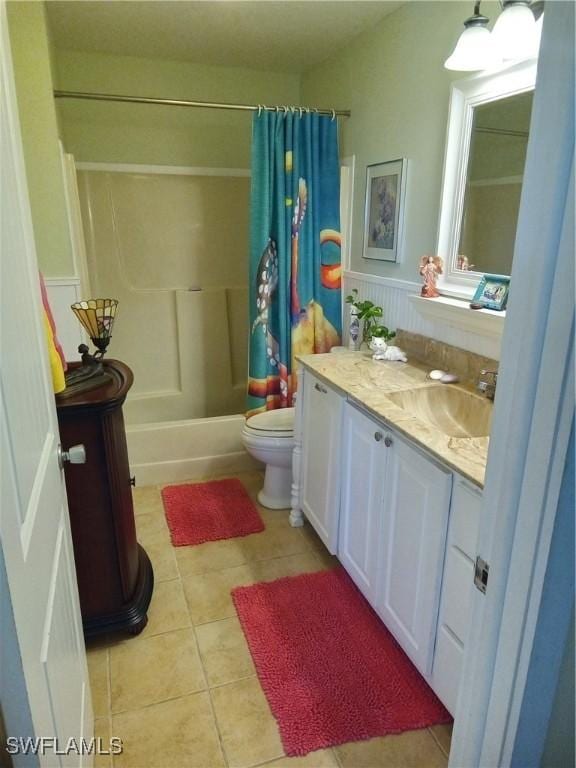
331 276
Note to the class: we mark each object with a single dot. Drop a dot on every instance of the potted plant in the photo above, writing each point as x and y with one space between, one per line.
370 314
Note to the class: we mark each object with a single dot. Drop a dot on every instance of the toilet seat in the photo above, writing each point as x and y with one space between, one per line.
278 423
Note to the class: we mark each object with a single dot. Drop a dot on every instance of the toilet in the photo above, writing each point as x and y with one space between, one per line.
269 437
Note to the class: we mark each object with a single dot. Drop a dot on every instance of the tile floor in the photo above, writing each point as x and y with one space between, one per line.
184 693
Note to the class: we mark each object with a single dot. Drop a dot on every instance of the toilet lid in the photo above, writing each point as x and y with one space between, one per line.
279 421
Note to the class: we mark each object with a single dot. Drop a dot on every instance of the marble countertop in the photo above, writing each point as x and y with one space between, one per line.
367 382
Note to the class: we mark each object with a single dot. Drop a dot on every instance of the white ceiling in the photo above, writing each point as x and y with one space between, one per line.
287 36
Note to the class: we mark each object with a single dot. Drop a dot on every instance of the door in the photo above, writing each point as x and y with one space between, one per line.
34 525
415 515
322 417
363 465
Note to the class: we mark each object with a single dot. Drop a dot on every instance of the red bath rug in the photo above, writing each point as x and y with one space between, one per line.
200 512
331 671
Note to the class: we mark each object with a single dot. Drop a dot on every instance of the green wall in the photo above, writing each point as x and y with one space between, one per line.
133 133
31 57
392 78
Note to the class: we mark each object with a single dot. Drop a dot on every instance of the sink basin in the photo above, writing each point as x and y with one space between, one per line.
454 412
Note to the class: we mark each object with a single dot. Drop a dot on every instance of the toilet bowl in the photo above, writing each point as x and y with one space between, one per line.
269 437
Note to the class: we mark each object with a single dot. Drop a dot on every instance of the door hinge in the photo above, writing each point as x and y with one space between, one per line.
481 574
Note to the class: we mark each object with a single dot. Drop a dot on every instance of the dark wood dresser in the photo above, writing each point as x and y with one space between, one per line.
115 577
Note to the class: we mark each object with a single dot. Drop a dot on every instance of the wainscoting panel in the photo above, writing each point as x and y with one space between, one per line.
62 292
392 295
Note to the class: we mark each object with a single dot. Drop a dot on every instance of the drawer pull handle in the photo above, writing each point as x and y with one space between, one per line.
378 436
320 388
388 442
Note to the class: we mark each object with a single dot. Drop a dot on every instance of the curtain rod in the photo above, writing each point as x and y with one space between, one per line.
205 104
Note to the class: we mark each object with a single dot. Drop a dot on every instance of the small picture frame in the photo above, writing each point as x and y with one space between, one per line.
384 210
492 292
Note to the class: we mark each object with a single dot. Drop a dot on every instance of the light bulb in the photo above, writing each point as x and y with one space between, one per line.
515 33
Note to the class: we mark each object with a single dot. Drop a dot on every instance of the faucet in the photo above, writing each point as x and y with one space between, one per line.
488 387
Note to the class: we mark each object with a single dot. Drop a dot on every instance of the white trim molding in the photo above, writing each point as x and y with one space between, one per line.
533 413
448 320
458 314
464 96
62 292
171 170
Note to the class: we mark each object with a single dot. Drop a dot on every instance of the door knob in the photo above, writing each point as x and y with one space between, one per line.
378 436
76 454
388 442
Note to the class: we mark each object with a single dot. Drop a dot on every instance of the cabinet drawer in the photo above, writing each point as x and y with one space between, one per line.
458 579
465 517
447 668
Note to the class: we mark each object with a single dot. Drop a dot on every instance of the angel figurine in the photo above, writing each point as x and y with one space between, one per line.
430 269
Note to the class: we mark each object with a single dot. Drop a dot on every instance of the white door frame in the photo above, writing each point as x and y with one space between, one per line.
35 537
533 414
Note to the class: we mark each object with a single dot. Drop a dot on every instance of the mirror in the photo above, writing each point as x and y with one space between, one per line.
493 185
488 129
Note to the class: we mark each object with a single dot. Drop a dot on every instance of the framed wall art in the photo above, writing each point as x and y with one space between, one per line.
384 211
492 292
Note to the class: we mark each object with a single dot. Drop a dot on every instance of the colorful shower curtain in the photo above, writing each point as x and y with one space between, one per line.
295 271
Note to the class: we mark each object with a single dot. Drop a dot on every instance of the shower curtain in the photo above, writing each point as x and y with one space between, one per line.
295 271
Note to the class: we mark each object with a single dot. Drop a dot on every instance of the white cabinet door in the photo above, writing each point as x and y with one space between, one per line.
321 427
457 585
363 462
415 518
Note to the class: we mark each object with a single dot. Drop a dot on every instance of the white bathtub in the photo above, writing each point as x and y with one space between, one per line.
173 451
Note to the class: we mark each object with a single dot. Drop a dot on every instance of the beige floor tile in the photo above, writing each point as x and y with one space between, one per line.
147 670
322 758
443 736
277 540
326 559
151 526
147 499
224 651
174 734
98 670
208 594
161 553
211 556
168 609
247 728
102 732
413 749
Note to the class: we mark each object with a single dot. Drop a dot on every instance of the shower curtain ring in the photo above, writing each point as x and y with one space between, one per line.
259 109
300 110
333 115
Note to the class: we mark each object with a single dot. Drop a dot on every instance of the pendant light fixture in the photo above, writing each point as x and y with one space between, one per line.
515 37
515 32
475 48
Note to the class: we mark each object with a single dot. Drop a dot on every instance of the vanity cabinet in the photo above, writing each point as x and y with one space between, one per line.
457 585
403 525
393 521
320 483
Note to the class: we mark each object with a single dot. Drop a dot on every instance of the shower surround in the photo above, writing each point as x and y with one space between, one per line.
173 248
